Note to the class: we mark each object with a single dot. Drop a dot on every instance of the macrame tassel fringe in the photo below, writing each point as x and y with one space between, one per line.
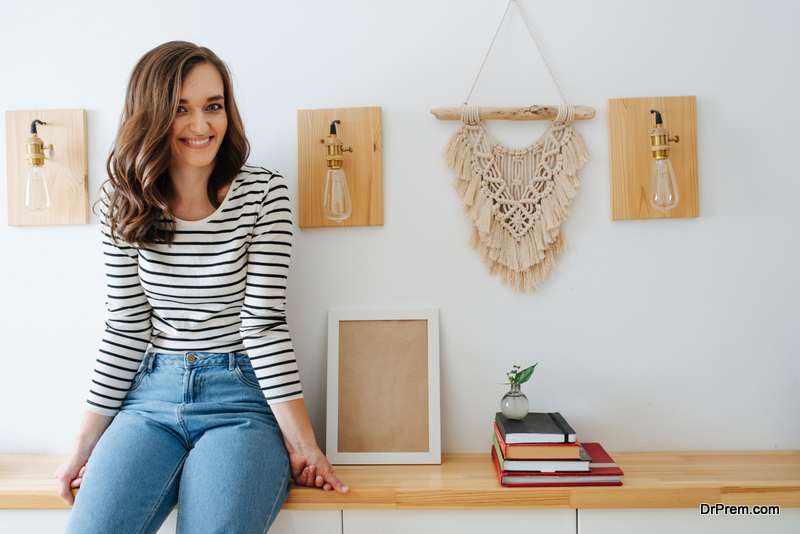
574 153
525 279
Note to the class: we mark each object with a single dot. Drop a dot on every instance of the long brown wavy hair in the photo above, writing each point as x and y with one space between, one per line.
138 212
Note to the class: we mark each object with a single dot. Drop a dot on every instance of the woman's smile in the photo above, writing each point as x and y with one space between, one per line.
198 143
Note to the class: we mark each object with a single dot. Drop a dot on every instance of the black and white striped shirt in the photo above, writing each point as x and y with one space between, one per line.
220 287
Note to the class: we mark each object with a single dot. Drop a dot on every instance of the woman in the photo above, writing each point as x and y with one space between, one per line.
195 398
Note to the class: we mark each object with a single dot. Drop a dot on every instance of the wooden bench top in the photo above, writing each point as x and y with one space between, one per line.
468 481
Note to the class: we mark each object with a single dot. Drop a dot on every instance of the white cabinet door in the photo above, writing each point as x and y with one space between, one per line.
287 522
307 522
685 521
460 521
33 521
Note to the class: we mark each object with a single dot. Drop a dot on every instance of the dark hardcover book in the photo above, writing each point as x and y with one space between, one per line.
602 472
536 427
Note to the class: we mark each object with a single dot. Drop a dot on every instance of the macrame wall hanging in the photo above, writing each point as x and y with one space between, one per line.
516 199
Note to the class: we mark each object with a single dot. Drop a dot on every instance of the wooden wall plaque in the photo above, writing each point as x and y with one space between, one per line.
629 125
360 128
66 166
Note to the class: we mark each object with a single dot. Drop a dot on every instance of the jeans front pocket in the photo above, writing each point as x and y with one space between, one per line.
144 369
245 374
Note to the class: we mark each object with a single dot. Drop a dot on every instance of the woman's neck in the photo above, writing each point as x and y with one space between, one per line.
188 193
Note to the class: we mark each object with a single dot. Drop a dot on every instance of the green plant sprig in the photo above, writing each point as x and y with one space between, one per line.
517 376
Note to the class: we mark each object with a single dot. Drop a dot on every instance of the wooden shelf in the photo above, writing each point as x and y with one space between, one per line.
468 481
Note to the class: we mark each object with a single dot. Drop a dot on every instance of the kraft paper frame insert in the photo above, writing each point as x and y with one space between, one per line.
383 387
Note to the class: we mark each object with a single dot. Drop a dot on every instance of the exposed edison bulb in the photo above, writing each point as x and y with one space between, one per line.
663 194
36 193
663 187
337 196
336 204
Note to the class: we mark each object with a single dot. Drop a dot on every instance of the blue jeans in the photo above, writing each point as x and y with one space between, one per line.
196 431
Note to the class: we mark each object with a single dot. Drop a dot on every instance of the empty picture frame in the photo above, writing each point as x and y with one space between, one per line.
383 387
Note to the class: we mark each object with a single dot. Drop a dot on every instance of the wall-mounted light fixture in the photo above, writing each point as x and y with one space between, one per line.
337 202
47 186
326 198
36 192
638 152
663 194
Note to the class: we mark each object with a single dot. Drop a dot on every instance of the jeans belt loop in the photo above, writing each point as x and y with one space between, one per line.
231 361
151 358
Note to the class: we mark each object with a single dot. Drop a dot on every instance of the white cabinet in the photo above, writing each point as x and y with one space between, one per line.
685 521
460 521
627 521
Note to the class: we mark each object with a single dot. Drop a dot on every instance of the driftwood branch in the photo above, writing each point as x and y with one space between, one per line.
530 113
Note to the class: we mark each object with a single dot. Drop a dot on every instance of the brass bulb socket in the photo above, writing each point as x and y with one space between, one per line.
333 147
659 140
35 148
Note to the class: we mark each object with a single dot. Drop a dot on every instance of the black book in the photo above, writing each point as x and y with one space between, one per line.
536 427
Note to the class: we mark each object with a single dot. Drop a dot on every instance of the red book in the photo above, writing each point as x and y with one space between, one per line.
538 451
602 472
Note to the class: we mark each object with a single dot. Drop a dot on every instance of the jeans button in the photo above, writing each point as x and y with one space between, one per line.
191 358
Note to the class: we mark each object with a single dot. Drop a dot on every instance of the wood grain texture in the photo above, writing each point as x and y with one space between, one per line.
468 481
529 113
66 166
360 128
629 125
26 482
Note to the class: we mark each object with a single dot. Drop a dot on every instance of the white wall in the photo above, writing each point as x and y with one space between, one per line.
712 364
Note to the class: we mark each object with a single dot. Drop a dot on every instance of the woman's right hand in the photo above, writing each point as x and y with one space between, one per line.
70 474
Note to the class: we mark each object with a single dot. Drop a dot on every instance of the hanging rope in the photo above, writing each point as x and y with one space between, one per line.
534 42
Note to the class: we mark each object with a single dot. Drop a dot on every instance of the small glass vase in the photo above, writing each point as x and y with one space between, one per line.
514 404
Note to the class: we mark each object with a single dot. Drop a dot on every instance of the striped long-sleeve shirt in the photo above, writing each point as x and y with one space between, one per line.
220 287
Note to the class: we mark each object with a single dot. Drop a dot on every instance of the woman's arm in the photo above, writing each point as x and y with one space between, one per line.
70 472
266 335
309 466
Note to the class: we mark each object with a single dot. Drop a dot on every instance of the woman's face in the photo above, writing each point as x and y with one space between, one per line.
200 124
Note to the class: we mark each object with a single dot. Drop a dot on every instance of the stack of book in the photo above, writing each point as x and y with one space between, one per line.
543 450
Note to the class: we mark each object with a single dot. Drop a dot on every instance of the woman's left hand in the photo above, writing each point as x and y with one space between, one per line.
310 468
308 465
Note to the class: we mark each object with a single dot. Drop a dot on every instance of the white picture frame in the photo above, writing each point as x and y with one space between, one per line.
366 351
